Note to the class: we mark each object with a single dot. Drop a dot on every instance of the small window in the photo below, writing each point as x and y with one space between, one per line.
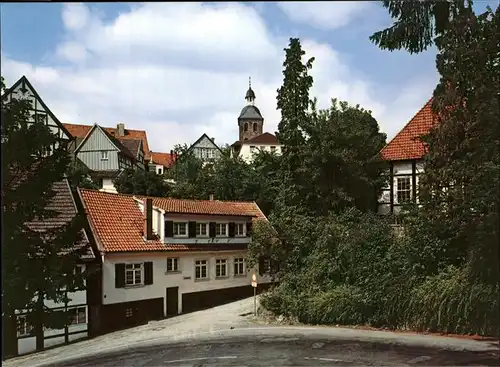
403 189
221 229
172 264
239 229
78 315
180 229
245 128
23 326
159 171
220 268
254 127
134 274
239 266
201 229
252 149
201 269
104 155
128 313
273 149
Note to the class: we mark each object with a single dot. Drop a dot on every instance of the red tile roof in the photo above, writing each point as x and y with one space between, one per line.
265 138
117 221
165 159
206 246
407 144
208 207
80 131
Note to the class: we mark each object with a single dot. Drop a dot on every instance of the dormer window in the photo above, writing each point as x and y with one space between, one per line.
202 230
240 229
180 229
221 229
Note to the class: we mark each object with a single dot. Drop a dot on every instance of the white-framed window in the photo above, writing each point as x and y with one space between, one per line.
134 274
23 326
201 269
78 315
159 171
240 229
172 264
220 268
79 269
180 229
403 189
239 266
211 153
273 149
104 155
202 230
252 149
221 229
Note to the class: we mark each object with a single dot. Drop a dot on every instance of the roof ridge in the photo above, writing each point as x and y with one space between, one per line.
170 198
102 127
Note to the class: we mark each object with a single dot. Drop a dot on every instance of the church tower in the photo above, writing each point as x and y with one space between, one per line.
250 121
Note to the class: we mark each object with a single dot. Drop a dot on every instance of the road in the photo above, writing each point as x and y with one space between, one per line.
230 335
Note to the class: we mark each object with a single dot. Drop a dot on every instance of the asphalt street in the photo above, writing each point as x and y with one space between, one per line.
296 350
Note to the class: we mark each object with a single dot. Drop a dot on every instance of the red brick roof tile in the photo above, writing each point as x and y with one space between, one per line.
165 159
80 131
117 221
407 144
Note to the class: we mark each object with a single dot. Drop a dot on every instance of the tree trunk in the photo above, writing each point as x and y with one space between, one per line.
39 323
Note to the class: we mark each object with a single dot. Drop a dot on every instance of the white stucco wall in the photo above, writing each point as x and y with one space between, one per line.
184 279
108 186
247 155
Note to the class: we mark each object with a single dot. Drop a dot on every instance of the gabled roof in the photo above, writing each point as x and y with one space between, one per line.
265 138
133 146
64 205
406 144
80 131
118 223
208 207
165 159
199 139
25 84
119 146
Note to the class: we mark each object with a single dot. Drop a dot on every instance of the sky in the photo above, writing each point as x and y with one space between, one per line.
178 70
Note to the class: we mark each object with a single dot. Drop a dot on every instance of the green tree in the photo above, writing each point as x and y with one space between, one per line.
36 265
139 182
79 176
294 103
417 23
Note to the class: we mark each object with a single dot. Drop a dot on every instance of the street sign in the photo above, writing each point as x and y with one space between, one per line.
254 280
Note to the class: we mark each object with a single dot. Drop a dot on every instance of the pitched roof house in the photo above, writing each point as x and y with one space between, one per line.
247 148
160 162
163 256
404 154
65 207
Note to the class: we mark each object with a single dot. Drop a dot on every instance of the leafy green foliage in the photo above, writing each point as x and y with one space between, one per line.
79 176
35 265
417 22
139 182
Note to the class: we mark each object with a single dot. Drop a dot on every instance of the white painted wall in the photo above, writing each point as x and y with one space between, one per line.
247 155
108 186
161 279
78 298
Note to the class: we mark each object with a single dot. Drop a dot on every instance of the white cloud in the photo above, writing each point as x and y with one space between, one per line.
179 70
324 14
75 16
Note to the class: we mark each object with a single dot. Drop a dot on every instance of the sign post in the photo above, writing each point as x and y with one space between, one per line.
254 285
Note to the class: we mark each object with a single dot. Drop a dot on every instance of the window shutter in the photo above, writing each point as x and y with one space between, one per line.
211 229
249 229
119 275
192 229
231 229
169 228
148 273
261 265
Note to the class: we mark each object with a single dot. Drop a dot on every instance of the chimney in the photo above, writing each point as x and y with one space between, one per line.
120 129
211 197
213 139
148 223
